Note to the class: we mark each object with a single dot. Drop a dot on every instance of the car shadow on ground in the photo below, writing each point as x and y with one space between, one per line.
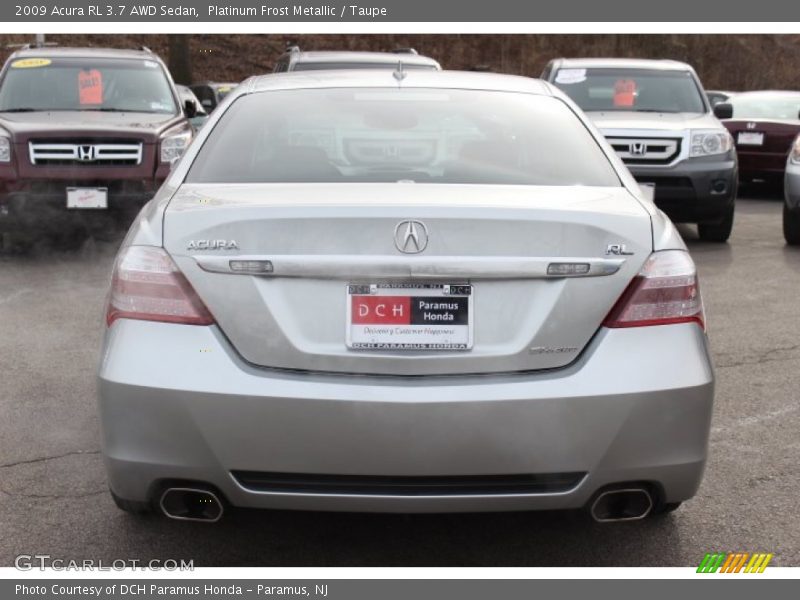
289 538
762 191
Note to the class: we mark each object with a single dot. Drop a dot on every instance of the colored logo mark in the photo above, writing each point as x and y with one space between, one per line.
734 562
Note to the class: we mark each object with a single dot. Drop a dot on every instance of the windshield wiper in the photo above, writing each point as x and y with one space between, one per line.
104 109
124 110
23 109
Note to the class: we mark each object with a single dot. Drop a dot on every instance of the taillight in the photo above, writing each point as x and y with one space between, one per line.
664 292
147 285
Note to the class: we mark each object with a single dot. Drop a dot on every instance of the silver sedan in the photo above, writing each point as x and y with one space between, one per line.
791 193
403 291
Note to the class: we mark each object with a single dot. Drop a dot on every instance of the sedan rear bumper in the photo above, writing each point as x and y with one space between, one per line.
761 164
178 404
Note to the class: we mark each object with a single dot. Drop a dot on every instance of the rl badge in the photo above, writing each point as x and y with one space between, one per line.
409 317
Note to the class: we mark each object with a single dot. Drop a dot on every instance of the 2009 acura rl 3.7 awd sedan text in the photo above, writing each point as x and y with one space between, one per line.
403 291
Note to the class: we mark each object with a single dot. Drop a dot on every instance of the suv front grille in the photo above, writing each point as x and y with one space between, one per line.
646 151
46 153
380 485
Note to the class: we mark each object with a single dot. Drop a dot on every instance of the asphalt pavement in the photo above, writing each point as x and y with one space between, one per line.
54 500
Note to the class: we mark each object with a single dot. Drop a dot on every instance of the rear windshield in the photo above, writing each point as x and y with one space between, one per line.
638 90
128 85
390 135
329 66
762 106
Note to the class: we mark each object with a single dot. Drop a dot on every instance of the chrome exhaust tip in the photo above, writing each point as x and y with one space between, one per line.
191 504
625 504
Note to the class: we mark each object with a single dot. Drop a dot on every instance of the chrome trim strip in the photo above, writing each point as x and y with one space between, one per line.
348 267
670 148
646 135
100 152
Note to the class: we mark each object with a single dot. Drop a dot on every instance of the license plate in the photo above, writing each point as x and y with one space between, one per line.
415 316
87 197
750 138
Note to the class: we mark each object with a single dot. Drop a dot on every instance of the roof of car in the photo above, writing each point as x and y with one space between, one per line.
623 63
769 93
321 56
59 51
215 84
386 78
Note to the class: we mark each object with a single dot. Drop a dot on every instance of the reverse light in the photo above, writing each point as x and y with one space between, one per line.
708 143
664 292
5 149
567 269
147 285
173 146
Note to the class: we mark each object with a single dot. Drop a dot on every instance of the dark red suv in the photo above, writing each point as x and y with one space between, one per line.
763 125
87 136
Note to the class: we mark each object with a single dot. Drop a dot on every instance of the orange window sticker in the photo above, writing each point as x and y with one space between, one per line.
90 87
624 92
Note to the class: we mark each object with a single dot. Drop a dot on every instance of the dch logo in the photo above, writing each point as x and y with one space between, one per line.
381 309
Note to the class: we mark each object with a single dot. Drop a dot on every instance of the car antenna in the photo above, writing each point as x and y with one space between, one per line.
399 73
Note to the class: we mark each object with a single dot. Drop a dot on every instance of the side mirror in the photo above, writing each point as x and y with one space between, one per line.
189 109
723 110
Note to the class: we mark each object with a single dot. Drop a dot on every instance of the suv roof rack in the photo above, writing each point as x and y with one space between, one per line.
404 51
292 47
145 49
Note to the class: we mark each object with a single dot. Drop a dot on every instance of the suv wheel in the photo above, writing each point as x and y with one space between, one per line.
717 232
791 225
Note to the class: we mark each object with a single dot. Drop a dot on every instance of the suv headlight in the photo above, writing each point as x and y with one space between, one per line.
173 146
5 149
707 143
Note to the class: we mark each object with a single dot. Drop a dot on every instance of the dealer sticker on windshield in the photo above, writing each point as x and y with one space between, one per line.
409 316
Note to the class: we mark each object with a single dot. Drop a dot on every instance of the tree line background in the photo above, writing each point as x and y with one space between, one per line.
723 61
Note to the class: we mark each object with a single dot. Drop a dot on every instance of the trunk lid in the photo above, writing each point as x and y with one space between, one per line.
777 136
321 237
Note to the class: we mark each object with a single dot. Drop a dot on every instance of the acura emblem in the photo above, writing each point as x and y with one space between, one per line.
411 237
638 148
86 153
751 125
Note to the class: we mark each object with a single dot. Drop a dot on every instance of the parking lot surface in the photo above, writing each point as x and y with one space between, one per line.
54 500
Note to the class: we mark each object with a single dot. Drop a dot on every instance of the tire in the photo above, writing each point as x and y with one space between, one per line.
717 232
791 225
131 506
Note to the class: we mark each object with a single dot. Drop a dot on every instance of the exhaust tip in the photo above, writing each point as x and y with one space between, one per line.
191 504
625 504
